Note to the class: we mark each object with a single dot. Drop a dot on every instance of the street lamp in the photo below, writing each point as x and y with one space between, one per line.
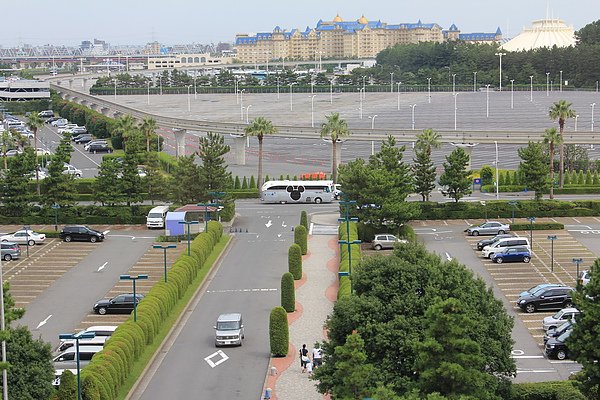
487 101
242 104
455 108
164 248
160 84
360 108
188 223
188 99
576 118
363 88
531 88
391 82
412 106
291 98
512 93
134 278
331 91
247 112
312 111
561 81
278 87
552 238
372 128
453 83
206 215
148 92
593 105
514 206
577 261
474 81
195 91
497 180
547 84
76 337
55 206
429 90
115 81
531 222
500 55
398 85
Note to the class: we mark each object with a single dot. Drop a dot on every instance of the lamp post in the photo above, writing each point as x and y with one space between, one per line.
576 118
391 82
55 207
312 111
552 238
188 99
593 105
561 81
487 100
531 88
247 112
512 93
3 328
188 223
372 128
134 278
497 180
242 104
453 83
500 55
148 92
206 215
398 85
160 85
291 98
76 337
474 81
514 206
360 108
547 84
278 87
455 108
363 87
195 91
164 248
577 261
429 90
115 81
331 91
236 85
347 219
531 222
216 199
412 106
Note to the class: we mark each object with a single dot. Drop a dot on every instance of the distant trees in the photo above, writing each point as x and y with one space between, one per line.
456 175
423 168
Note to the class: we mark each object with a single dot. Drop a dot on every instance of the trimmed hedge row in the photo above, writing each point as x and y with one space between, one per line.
295 261
279 333
521 188
110 367
546 226
92 215
560 390
288 292
301 238
345 287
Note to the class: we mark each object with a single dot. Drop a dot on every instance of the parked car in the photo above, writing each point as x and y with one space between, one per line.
385 241
557 347
556 320
101 331
556 332
81 233
46 114
78 130
52 119
84 138
487 242
13 152
66 128
488 251
59 123
488 228
95 141
24 237
512 254
71 170
42 152
121 304
99 148
538 287
67 359
584 277
552 298
10 251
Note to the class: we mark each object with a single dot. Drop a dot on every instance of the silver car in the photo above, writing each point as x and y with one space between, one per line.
10 251
488 228
385 241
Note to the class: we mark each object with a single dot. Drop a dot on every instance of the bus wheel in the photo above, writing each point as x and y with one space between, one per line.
318 200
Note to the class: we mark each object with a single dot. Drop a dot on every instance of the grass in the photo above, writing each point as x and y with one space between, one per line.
149 351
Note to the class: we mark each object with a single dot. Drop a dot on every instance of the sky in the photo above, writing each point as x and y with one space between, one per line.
68 22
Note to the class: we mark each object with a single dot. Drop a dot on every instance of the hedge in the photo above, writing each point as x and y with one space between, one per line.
304 219
301 238
279 335
568 189
345 284
21 107
295 261
560 390
79 214
288 294
546 226
111 367
366 232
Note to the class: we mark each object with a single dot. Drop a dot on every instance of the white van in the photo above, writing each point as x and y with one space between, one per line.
156 217
67 359
497 247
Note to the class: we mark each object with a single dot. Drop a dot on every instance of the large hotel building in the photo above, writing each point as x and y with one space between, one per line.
345 39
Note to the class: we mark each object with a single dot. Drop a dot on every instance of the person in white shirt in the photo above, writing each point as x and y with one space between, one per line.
317 356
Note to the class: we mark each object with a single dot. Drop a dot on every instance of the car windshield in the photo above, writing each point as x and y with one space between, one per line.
557 315
227 325
561 329
538 290
564 336
155 215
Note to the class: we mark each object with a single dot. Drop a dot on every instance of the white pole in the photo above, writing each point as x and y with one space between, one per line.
593 105
277 88
487 101
242 104
361 102
561 81
236 84
312 111
475 81
547 84
148 92
576 117
500 55
531 88
160 84
398 84
412 106
291 99
248 112
497 181
429 90
3 328
363 88
391 82
195 91
115 89
372 128
453 83
455 108
512 93
188 98
331 91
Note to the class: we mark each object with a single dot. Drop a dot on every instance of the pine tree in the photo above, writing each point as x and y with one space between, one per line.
237 184
154 182
16 196
106 187
130 182
456 176
213 168
423 173
567 178
580 178
501 179
244 184
60 187
588 178
595 180
535 168
185 182
252 184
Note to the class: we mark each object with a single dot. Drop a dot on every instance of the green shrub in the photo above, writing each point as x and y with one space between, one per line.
560 390
279 332
243 194
344 288
580 178
244 183
487 175
546 226
304 219
407 232
595 180
288 292
67 390
502 179
295 261
567 178
90 387
588 178
301 238
252 184
237 184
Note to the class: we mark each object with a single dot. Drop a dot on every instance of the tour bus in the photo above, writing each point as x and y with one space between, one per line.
297 192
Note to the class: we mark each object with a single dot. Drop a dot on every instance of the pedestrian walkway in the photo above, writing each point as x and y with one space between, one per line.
315 296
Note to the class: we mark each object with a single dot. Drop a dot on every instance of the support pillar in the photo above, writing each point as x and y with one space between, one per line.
179 142
240 149
70 83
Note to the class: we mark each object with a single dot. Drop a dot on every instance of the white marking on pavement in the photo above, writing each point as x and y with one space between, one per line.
242 290
585 226
43 322
102 267
517 352
311 228
220 361
283 224
448 257
535 371
279 235
268 224
528 356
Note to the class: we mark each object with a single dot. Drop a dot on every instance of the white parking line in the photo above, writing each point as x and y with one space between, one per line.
241 290
219 353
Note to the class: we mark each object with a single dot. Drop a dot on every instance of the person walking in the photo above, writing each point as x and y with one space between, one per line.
317 356
304 358
309 367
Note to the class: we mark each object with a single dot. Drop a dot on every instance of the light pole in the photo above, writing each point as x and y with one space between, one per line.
134 278
547 84
3 328
164 249
248 112
363 88
398 84
160 85
195 91
115 81
331 91
552 238
577 261
391 82
242 104
347 219
291 98
412 106
531 88
312 111
593 105
188 223
206 211
372 128
512 93
561 81
576 117
429 90
76 337
453 83
278 88
487 100
514 206
474 81
188 99
497 173
236 85
312 86
360 108
531 222
500 55
148 92
455 109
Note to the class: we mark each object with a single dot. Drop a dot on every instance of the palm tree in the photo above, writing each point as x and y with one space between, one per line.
428 140
34 122
260 127
8 140
124 126
552 138
148 127
561 111
335 128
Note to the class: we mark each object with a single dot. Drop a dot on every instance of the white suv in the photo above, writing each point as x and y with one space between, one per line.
71 170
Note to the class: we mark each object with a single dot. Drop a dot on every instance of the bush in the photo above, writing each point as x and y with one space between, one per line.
487 175
304 219
90 388
561 390
295 261
245 184
288 294
344 289
68 386
547 226
279 332
301 238
252 184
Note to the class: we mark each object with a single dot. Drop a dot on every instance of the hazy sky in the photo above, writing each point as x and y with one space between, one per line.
204 21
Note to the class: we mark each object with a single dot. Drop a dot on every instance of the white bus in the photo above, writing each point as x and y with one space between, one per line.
297 192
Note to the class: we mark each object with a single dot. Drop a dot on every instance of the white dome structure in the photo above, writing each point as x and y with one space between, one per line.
543 33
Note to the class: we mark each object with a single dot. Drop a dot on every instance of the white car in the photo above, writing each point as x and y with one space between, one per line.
584 277
67 128
42 152
24 237
13 152
59 122
556 320
71 170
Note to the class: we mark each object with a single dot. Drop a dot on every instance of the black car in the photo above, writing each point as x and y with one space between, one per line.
99 148
551 298
121 304
52 119
556 332
486 242
557 347
81 233
84 138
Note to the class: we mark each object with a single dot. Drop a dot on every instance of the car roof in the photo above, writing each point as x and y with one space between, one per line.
101 328
570 309
229 317
90 349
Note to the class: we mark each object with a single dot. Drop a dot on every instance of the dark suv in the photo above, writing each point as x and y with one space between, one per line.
550 298
81 233
486 242
557 347
99 148
122 303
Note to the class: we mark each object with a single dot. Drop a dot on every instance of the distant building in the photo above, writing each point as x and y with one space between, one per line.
185 61
543 33
22 90
153 48
453 33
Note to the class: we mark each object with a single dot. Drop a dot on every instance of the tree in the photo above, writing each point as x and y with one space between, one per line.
148 127
185 181
487 175
334 129
123 127
8 141
130 182
107 188
428 140
584 340
589 34
534 168
154 182
58 186
552 138
16 197
213 169
456 176
260 127
68 386
34 122
423 173
561 111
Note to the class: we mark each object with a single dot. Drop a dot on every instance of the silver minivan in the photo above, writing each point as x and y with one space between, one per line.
497 247
10 251
229 330
67 360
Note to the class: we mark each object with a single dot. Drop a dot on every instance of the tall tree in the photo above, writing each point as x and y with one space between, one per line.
34 122
131 182
260 127
456 175
124 126
534 168
59 187
428 140
561 111
8 141
213 169
148 128
155 182
185 181
107 187
334 129
552 138
16 197
423 173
